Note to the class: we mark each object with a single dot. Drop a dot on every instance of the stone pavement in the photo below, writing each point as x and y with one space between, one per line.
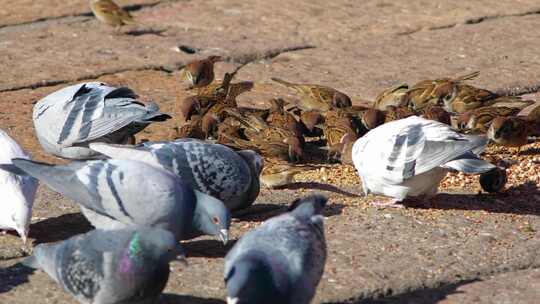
460 248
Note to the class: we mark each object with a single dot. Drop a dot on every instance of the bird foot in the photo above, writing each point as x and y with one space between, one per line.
394 203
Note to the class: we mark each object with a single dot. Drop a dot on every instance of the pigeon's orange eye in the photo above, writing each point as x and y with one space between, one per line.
215 220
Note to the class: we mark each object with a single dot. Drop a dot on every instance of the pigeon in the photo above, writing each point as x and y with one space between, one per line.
410 157
70 118
115 193
107 267
282 260
17 191
217 170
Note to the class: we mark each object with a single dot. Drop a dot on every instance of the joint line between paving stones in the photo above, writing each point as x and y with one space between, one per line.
242 59
129 8
470 21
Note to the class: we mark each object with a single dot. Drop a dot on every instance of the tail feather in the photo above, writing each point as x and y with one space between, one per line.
468 76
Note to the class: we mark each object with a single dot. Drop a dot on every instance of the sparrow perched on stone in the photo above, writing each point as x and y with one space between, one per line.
436 113
438 92
317 97
392 113
276 175
510 131
393 96
479 119
110 13
199 73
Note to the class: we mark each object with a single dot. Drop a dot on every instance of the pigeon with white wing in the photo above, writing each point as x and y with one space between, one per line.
17 192
67 120
114 194
411 156
217 170
109 267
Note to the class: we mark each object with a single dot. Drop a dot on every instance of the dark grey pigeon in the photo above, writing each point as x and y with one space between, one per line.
281 261
108 267
67 120
114 194
214 169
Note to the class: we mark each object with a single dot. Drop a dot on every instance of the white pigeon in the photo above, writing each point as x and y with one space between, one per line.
17 193
67 120
410 157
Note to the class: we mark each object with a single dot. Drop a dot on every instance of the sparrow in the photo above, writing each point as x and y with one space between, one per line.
199 73
479 119
392 113
214 116
339 128
193 105
276 175
393 96
438 92
436 113
277 116
317 97
110 13
191 129
229 127
311 119
372 118
270 140
510 131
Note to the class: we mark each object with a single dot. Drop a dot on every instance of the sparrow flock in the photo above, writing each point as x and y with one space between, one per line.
402 147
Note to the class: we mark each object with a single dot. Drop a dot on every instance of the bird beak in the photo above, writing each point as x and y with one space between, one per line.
224 236
232 300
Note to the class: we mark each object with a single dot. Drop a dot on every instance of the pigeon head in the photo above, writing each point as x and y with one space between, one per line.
251 280
254 160
308 206
211 217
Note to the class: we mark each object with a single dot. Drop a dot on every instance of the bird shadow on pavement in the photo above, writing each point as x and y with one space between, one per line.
422 296
14 276
149 31
184 299
522 200
260 212
207 248
59 228
318 186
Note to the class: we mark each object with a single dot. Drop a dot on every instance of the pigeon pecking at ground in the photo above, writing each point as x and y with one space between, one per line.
16 191
114 194
410 157
214 169
108 267
281 261
67 120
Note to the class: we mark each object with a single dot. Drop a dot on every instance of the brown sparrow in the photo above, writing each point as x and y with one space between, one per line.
510 131
317 97
193 105
110 13
191 129
393 96
372 118
199 73
438 92
436 113
480 118
339 129
277 175
392 113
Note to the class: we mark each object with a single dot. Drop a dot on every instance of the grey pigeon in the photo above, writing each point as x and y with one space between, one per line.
410 157
115 193
16 192
281 261
67 120
108 267
214 169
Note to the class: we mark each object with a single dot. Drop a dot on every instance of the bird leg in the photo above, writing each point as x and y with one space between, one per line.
390 203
